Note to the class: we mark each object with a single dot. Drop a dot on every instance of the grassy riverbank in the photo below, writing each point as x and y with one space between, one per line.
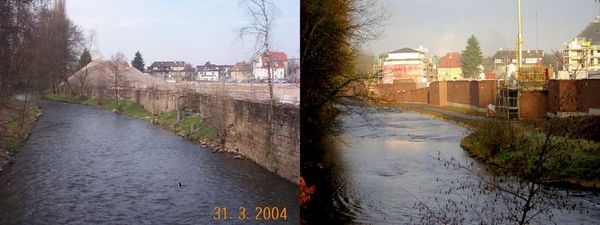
510 148
17 119
190 127
514 148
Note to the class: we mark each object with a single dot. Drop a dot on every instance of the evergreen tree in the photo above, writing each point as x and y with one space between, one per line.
138 62
85 58
471 58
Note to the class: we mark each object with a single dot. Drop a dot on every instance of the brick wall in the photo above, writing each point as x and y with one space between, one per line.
589 95
486 93
459 92
390 90
533 104
438 93
562 95
580 96
420 95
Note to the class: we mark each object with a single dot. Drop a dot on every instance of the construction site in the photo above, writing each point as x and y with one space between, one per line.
523 87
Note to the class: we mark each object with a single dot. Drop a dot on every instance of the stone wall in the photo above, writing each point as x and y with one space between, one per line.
268 135
155 101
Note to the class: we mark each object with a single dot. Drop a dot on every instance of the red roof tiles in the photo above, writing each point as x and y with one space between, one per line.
451 60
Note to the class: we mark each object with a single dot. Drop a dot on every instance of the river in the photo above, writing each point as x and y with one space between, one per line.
82 165
386 162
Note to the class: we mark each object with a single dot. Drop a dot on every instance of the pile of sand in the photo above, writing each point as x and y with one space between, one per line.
100 73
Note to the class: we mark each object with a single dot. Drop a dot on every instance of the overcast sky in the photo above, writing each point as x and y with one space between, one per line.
195 31
445 25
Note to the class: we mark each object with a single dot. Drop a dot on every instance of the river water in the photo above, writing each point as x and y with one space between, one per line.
386 162
82 165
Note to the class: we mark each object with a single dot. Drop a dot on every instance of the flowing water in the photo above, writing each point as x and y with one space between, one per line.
388 162
82 165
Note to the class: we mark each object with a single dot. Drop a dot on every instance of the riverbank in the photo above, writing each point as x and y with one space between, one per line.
17 119
514 148
464 118
574 143
189 127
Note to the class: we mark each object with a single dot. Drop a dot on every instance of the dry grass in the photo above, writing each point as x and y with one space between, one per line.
15 126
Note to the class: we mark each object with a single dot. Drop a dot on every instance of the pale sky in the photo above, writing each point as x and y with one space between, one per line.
195 31
445 25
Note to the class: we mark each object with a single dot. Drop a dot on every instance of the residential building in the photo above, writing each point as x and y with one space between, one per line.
212 72
278 65
505 61
450 67
582 54
405 64
171 71
241 71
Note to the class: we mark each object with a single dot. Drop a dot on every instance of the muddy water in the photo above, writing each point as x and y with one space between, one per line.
388 163
82 165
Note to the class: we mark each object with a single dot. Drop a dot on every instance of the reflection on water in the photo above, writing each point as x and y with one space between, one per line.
386 165
82 165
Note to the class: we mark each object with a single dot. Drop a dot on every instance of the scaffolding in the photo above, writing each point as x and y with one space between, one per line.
507 101
508 91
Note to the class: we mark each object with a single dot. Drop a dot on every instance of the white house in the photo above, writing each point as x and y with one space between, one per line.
212 72
278 64
171 71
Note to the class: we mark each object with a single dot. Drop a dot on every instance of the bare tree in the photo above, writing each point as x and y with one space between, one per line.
118 65
262 15
82 78
539 157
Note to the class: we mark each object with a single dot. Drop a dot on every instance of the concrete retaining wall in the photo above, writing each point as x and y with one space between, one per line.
268 135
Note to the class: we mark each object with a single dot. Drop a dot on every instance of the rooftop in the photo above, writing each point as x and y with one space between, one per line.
591 31
451 60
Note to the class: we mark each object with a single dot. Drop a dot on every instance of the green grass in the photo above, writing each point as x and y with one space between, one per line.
65 98
15 128
201 131
514 151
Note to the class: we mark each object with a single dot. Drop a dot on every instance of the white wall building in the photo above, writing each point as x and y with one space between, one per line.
582 54
278 62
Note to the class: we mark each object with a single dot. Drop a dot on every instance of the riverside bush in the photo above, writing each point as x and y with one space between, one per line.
516 150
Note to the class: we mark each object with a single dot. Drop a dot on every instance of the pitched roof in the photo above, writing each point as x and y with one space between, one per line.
280 58
242 66
211 67
168 64
451 60
406 50
592 31
510 54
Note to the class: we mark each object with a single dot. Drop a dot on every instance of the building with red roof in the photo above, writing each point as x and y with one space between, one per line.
277 61
450 67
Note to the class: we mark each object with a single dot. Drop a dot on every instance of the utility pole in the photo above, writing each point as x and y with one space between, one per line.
520 38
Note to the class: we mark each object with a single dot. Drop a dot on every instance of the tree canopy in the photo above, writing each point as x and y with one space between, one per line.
138 61
471 58
85 58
